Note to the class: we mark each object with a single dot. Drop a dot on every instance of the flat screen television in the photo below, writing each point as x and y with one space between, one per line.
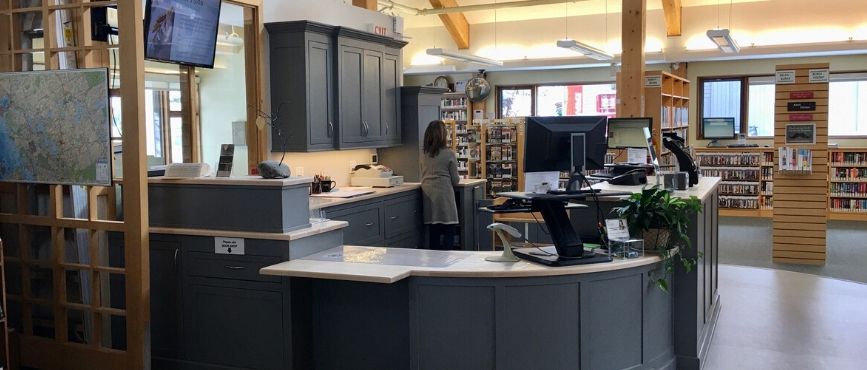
182 31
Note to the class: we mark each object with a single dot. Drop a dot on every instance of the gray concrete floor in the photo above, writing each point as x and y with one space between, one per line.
775 319
747 242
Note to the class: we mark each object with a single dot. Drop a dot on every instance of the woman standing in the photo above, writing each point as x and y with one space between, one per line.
439 176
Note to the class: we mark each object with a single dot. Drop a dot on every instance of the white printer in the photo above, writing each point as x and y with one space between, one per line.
375 175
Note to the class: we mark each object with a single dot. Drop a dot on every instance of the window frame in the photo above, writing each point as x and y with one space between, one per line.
534 91
830 80
745 87
500 90
744 104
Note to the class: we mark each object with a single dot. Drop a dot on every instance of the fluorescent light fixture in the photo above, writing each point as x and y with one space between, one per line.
724 41
585 49
463 57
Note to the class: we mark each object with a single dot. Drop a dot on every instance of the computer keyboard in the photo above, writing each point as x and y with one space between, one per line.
743 145
573 192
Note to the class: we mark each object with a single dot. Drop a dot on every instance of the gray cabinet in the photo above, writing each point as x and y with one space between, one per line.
344 83
302 86
391 221
419 106
467 199
165 306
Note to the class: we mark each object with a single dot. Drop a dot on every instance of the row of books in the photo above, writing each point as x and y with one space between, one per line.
766 203
501 153
739 188
501 185
501 171
855 174
767 173
455 102
849 158
732 174
849 205
457 115
502 135
743 202
848 188
768 187
730 159
674 117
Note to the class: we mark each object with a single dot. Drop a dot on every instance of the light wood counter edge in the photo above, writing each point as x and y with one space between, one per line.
288 236
472 265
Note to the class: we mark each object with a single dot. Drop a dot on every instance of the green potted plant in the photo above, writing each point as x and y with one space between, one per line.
662 220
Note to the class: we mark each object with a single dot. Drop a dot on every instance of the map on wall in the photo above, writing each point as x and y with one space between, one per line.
54 127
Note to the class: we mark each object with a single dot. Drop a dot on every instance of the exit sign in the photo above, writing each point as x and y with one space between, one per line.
379 30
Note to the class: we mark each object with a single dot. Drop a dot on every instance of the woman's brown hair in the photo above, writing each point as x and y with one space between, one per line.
434 138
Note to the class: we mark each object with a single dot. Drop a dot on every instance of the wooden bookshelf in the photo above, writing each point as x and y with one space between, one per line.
668 105
751 169
503 154
847 188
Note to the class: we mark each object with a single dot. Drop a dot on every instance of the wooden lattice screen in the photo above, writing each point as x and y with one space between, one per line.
78 275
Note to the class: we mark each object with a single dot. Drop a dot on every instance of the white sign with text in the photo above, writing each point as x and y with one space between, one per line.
224 245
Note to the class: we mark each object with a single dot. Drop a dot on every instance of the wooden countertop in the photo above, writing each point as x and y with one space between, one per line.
235 180
314 229
318 202
389 265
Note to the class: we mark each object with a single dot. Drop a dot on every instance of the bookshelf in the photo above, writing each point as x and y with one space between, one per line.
466 141
668 104
502 154
747 183
455 107
847 187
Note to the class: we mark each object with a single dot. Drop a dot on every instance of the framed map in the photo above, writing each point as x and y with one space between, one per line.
54 127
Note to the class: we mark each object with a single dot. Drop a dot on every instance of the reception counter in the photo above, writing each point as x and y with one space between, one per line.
380 308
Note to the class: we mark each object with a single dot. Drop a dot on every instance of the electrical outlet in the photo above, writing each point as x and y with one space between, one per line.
299 171
374 159
352 165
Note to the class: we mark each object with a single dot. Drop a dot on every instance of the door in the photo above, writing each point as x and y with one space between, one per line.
372 96
319 98
391 99
351 69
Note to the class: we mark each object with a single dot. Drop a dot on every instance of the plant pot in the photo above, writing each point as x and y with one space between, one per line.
654 238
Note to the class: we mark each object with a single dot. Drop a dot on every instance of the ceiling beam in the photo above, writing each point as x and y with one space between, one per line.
366 4
673 19
456 23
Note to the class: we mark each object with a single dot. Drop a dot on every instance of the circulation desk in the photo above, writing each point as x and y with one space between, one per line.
380 308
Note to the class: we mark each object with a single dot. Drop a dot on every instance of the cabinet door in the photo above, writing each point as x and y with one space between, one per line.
351 128
391 99
372 96
319 94
234 324
165 302
365 226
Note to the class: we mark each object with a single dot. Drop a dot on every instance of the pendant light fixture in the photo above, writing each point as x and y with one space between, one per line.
722 37
582 48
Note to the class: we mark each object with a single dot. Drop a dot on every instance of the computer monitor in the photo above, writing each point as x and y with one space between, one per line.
715 128
628 132
555 143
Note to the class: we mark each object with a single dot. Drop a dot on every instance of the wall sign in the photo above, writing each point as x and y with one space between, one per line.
785 77
801 133
228 245
800 117
377 29
801 95
652 81
819 75
804 106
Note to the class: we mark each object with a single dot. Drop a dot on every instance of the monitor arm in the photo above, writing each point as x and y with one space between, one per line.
685 162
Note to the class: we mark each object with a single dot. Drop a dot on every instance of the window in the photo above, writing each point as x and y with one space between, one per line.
847 104
725 97
760 106
722 98
515 101
576 100
557 100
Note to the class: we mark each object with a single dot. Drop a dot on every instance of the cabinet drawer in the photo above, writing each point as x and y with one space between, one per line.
364 226
411 240
402 216
230 266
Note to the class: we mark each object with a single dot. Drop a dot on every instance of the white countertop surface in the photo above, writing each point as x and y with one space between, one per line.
705 187
389 265
235 180
314 229
319 202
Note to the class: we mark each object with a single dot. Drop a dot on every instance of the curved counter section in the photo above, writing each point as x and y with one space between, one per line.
380 308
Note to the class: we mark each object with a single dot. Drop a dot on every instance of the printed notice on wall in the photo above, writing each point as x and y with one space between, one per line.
228 245
785 77
652 81
819 75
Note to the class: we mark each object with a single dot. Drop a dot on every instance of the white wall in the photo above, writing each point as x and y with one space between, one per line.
223 101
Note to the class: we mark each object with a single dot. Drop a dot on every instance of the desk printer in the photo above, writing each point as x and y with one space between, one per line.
375 175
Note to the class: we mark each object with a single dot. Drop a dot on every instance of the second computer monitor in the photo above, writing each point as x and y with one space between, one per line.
550 145
718 128
628 132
